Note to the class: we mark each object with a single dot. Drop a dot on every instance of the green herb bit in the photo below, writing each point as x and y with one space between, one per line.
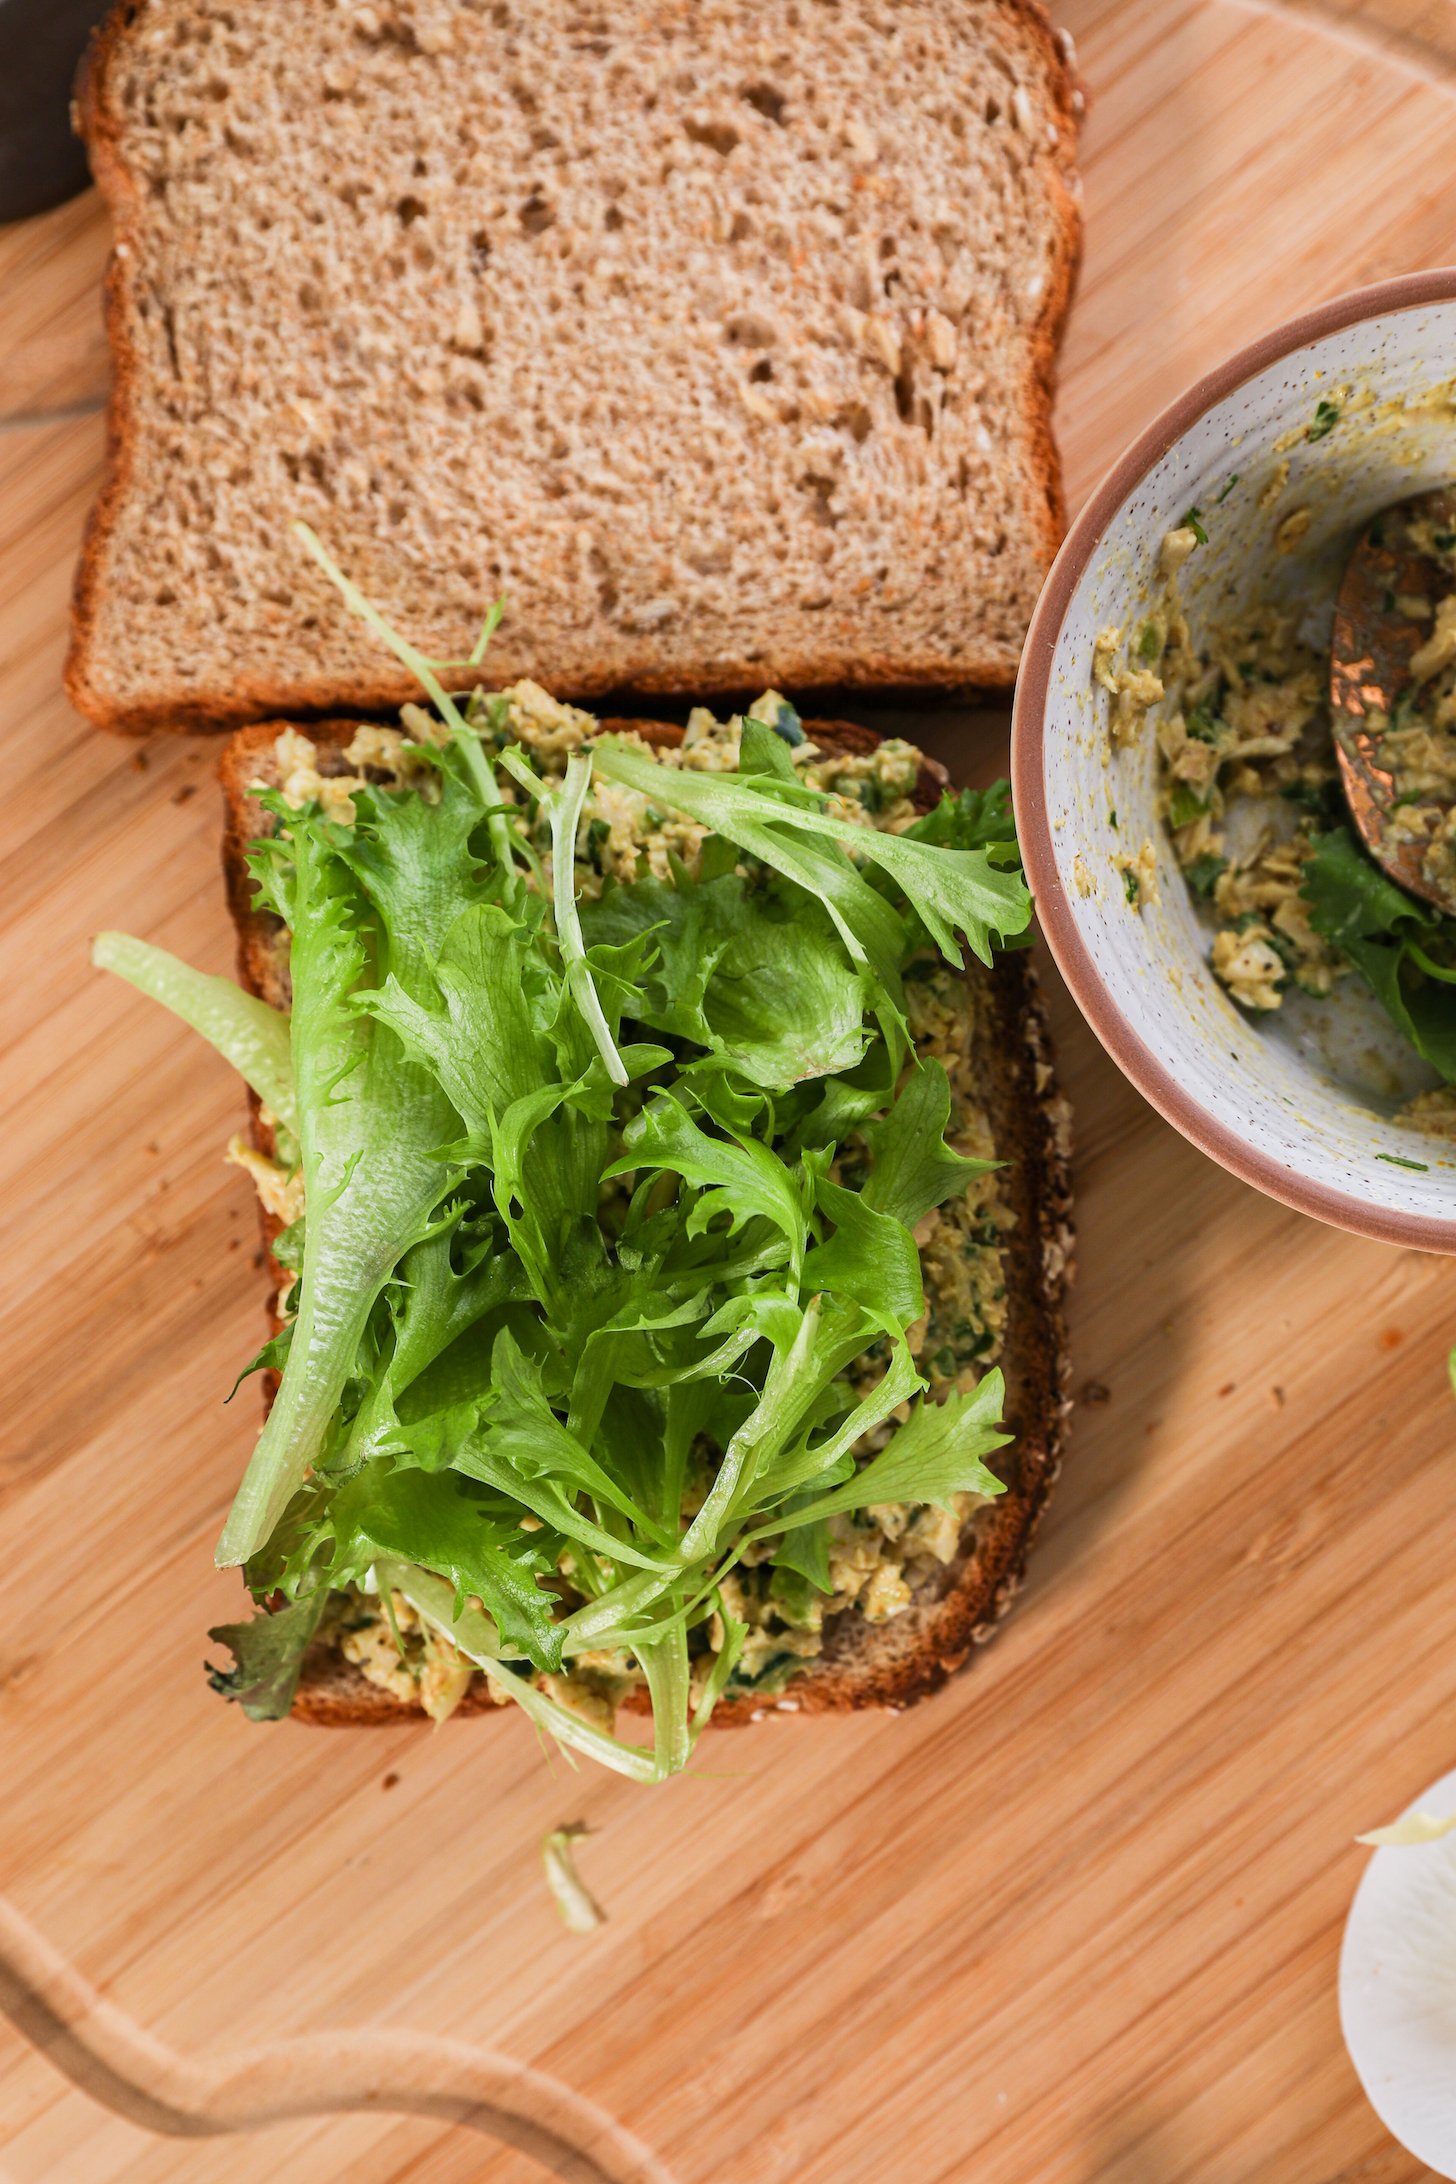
1395 1161
1233 479
1130 886
1112 817
1326 417
1202 873
1150 641
1185 806
1193 521
1284 948
1320 798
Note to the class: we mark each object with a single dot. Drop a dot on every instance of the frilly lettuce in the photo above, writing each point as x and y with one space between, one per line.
578 1284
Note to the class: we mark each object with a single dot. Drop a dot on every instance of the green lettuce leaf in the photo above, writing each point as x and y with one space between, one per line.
524 1433
371 1125
969 819
478 1017
934 1456
477 1639
445 1523
565 808
419 866
755 976
975 892
915 1170
805 1551
245 1031
1386 934
267 1655
446 1290
870 1259
740 1181
815 1462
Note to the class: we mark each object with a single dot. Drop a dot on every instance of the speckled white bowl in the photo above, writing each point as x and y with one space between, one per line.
1302 1106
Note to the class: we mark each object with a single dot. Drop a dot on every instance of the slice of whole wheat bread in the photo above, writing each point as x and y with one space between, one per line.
718 337
863 1664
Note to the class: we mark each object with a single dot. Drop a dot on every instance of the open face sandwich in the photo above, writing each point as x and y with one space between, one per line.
663 1221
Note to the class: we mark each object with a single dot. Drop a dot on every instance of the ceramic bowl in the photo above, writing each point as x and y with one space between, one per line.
1303 1103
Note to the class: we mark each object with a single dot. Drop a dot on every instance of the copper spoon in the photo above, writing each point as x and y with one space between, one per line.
1373 645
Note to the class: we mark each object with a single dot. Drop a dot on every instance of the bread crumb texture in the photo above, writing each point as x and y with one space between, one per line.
716 338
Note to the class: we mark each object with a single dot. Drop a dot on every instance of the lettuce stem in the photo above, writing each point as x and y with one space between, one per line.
476 1638
665 1665
244 1031
467 742
565 806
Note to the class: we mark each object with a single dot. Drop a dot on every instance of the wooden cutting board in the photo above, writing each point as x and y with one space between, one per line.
1075 1919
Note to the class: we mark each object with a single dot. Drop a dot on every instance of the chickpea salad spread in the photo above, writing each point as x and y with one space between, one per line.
641 1226
1249 792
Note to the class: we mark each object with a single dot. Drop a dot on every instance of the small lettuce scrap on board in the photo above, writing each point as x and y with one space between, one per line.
583 1302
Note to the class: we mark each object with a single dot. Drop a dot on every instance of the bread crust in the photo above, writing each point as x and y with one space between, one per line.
885 1665
838 663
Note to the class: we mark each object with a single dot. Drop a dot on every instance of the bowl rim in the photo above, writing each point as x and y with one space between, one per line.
1073 958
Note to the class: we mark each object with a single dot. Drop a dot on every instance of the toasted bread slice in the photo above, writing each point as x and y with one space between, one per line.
719 338
863 1663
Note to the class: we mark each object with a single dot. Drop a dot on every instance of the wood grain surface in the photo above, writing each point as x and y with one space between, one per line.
1076 1919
